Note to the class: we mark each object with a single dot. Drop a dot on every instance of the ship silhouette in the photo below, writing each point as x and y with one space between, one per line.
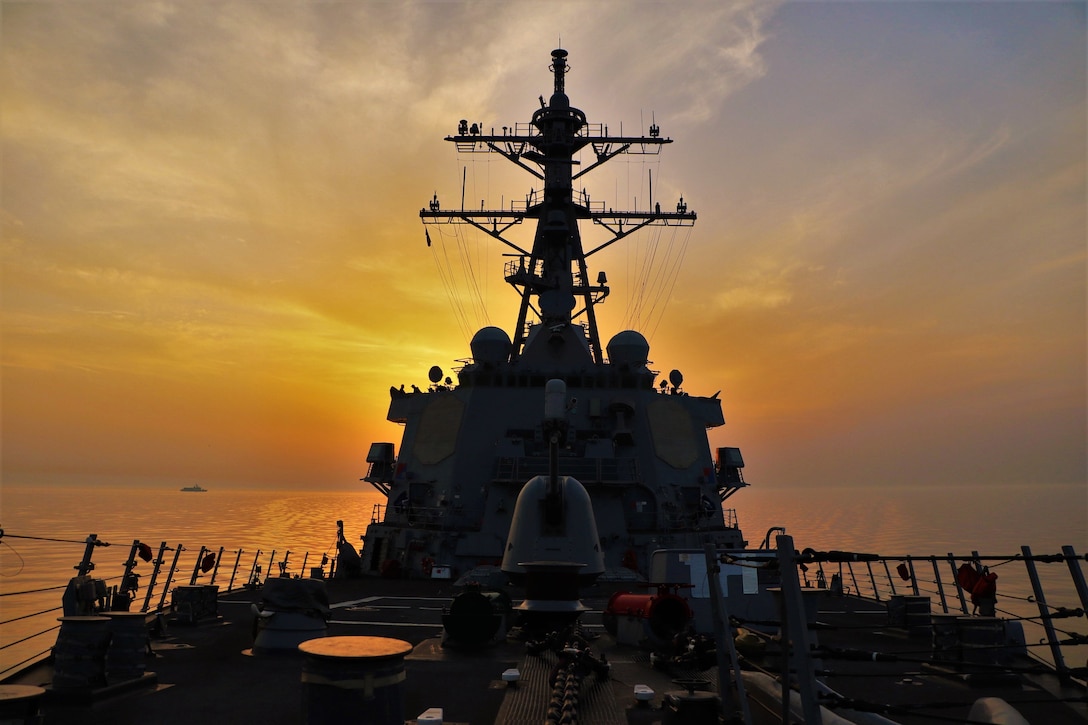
638 446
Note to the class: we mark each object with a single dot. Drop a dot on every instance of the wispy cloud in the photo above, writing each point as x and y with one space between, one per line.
221 197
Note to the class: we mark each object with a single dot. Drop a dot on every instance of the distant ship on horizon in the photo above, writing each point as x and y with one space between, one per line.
196 488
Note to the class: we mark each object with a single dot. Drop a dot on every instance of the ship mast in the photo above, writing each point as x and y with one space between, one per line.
553 278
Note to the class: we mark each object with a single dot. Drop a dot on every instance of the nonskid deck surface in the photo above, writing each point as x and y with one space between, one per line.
206 673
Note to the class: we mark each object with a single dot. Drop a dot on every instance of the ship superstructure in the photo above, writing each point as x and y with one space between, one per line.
640 448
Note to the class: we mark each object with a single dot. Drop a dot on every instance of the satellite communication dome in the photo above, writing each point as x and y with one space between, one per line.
435 374
490 345
628 348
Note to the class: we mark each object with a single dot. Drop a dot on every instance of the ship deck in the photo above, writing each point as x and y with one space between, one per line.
207 673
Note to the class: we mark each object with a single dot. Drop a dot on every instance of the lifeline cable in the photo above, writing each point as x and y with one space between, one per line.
22 562
33 591
44 538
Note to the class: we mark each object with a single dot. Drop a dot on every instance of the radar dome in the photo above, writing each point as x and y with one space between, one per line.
490 346
559 100
628 348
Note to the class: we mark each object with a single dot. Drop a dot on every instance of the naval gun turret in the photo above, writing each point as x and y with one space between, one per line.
553 546
553 517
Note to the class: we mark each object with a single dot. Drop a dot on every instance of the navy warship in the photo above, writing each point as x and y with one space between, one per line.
675 619
639 446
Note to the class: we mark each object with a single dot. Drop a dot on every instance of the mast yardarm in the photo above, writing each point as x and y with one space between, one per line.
552 277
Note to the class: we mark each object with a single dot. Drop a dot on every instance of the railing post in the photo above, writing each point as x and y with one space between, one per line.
253 569
850 568
940 585
170 577
872 580
237 560
795 635
956 579
305 558
158 562
215 569
1078 575
724 639
1044 612
196 567
913 578
86 566
888 573
128 580
271 561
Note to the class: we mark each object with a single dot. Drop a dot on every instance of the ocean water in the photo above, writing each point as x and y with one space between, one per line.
884 520
924 519
269 522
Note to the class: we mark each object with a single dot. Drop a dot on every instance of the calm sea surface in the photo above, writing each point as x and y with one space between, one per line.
889 521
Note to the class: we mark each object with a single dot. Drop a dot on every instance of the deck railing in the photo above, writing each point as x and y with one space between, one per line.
28 622
1022 583
869 577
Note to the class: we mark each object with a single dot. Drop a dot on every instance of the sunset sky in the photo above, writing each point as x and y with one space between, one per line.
214 266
